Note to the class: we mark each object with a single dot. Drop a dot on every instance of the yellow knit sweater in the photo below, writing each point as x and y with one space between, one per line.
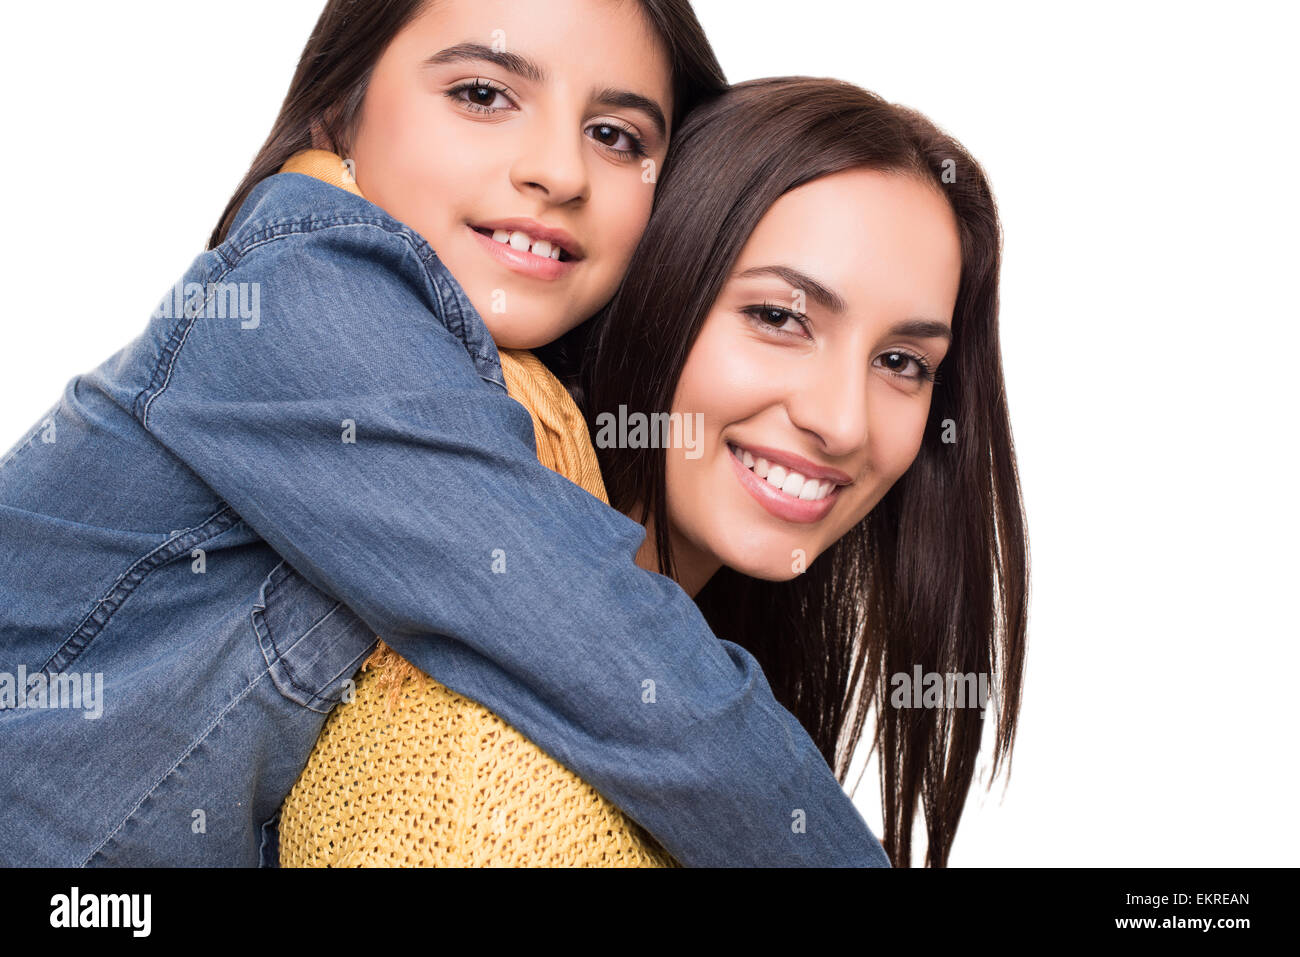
412 774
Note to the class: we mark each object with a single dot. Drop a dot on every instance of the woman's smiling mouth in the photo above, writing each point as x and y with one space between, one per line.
786 492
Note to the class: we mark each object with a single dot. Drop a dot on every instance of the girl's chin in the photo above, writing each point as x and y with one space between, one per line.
524 328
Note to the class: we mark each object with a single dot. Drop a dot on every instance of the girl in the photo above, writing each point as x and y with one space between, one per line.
218 520
819 517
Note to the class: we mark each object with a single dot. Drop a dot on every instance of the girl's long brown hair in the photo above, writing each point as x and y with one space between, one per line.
937 574
334 70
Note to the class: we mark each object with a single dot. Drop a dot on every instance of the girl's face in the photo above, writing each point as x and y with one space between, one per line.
811 372
521 139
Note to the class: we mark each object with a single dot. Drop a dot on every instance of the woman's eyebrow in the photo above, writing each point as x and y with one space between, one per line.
532 71
799 280
829 299
922 329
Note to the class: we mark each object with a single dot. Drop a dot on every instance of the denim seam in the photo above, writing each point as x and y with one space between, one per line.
262 628
281 655
87 629
207 732
268 234
170 353
425 253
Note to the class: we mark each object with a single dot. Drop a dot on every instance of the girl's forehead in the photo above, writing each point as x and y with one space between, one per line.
597 50
571 36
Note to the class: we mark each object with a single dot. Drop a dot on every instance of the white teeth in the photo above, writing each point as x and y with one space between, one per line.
778 476
524 243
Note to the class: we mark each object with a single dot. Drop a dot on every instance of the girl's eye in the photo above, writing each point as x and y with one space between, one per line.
618 140
897 360
480 96
779 320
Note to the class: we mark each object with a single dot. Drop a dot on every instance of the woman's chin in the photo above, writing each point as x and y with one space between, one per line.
783 570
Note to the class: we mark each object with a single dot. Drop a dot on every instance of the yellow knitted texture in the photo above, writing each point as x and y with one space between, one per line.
412 774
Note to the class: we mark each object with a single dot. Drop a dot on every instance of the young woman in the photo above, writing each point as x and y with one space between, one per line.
831 324
812 319
311 444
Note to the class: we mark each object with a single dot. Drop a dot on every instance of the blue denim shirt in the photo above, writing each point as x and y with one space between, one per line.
310 446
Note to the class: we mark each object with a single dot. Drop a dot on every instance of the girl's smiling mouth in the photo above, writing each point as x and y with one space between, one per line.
529 248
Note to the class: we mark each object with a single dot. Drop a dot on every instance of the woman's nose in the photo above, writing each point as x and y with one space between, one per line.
830 402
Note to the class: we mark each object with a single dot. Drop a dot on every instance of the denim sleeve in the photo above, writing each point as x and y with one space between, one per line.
351 430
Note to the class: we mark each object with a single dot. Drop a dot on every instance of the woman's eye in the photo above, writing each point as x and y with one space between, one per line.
780 320
899 362
617 139
481 97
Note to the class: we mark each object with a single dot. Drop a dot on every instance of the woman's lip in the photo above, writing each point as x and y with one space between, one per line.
778 503
796 463
522 261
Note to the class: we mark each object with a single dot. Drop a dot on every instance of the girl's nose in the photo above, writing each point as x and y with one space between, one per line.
552 161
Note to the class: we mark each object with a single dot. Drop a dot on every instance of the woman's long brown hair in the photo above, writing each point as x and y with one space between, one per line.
350 36
937 575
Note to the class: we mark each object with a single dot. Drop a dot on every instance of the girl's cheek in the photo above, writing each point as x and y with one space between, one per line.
624 212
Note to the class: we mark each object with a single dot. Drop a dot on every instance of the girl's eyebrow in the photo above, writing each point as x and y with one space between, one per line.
515 63
530 70
634 101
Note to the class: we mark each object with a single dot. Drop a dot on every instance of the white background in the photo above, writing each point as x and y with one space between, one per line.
1144 158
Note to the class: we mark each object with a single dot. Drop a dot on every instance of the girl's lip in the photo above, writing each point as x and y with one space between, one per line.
536 231
778 503
522 261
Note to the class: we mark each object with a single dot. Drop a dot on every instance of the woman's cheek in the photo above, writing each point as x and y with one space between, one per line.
897 435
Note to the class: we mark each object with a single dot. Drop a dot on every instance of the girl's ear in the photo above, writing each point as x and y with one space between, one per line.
319 140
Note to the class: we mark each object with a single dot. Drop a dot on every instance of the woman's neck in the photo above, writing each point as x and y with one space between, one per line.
692 567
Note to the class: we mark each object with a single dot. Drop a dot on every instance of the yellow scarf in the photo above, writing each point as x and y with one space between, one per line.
412 774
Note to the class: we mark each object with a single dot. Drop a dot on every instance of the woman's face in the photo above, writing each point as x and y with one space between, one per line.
811 373
504 132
